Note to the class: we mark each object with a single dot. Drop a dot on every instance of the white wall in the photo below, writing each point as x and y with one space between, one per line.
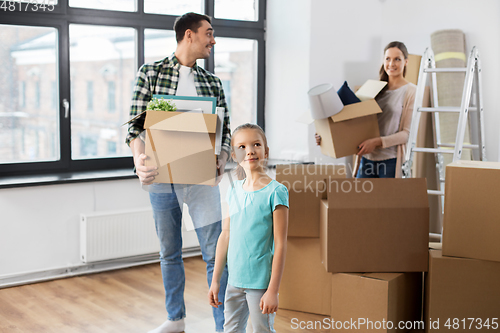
40 225
345 41
287 77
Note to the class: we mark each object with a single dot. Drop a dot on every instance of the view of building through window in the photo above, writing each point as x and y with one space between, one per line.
236 66
102 70
29 118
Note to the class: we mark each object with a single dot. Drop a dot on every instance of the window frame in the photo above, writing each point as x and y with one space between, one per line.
61 18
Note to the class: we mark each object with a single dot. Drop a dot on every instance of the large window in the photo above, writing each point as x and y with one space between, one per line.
236 66
68 71
29 121
105 58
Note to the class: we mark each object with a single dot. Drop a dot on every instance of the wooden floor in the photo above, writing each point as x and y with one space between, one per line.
127 300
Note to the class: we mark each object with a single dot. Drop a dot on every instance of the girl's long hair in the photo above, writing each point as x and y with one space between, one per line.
402 47
240 172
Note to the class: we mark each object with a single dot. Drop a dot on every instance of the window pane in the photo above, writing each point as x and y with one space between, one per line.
29 121
102 65
173 7
245 10
236 65
159 44
121 5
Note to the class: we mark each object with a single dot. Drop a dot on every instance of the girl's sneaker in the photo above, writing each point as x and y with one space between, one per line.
170 327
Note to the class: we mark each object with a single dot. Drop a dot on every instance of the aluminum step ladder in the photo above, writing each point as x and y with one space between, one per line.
471 102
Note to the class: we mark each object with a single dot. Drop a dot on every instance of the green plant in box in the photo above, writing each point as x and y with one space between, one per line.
161 105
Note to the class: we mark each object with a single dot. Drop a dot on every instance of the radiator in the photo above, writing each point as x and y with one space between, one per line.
112 235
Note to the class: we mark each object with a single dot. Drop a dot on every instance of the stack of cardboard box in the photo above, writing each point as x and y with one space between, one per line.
367 257
306 285
462 287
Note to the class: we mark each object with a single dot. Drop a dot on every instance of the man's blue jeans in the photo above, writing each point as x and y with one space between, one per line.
205 210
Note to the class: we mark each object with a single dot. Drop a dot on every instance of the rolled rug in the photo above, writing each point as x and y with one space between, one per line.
449 51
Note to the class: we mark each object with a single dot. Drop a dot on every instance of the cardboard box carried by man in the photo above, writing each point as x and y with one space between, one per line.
183 144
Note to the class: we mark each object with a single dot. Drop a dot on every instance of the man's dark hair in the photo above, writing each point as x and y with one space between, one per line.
190 21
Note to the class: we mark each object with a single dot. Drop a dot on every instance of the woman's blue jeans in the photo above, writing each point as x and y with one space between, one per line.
205 210
377 169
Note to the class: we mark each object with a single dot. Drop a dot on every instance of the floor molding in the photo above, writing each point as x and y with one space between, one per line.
90 268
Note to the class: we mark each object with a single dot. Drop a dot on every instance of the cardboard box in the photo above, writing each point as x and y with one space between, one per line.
471 227
457 289
181 145
306 187
375 225
375 299
342 133
413 68
305 285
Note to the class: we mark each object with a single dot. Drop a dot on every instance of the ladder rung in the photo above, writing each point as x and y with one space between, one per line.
452 145
434 192
435 236
433 150
454 109
446 70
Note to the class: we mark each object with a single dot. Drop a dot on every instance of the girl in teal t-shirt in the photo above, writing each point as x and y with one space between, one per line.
253 238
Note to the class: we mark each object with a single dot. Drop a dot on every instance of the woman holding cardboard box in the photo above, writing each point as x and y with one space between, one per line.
381 157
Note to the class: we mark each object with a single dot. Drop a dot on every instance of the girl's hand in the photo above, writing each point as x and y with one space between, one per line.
368 146
269 302
318 139
213 295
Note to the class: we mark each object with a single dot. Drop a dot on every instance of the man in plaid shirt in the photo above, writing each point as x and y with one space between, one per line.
179 75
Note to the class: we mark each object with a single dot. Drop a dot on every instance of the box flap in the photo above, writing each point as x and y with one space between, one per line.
181 121
475 165
382 276
357 110
370 89
134 118
378 193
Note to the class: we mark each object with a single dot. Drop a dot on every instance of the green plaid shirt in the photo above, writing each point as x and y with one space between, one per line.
161 77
